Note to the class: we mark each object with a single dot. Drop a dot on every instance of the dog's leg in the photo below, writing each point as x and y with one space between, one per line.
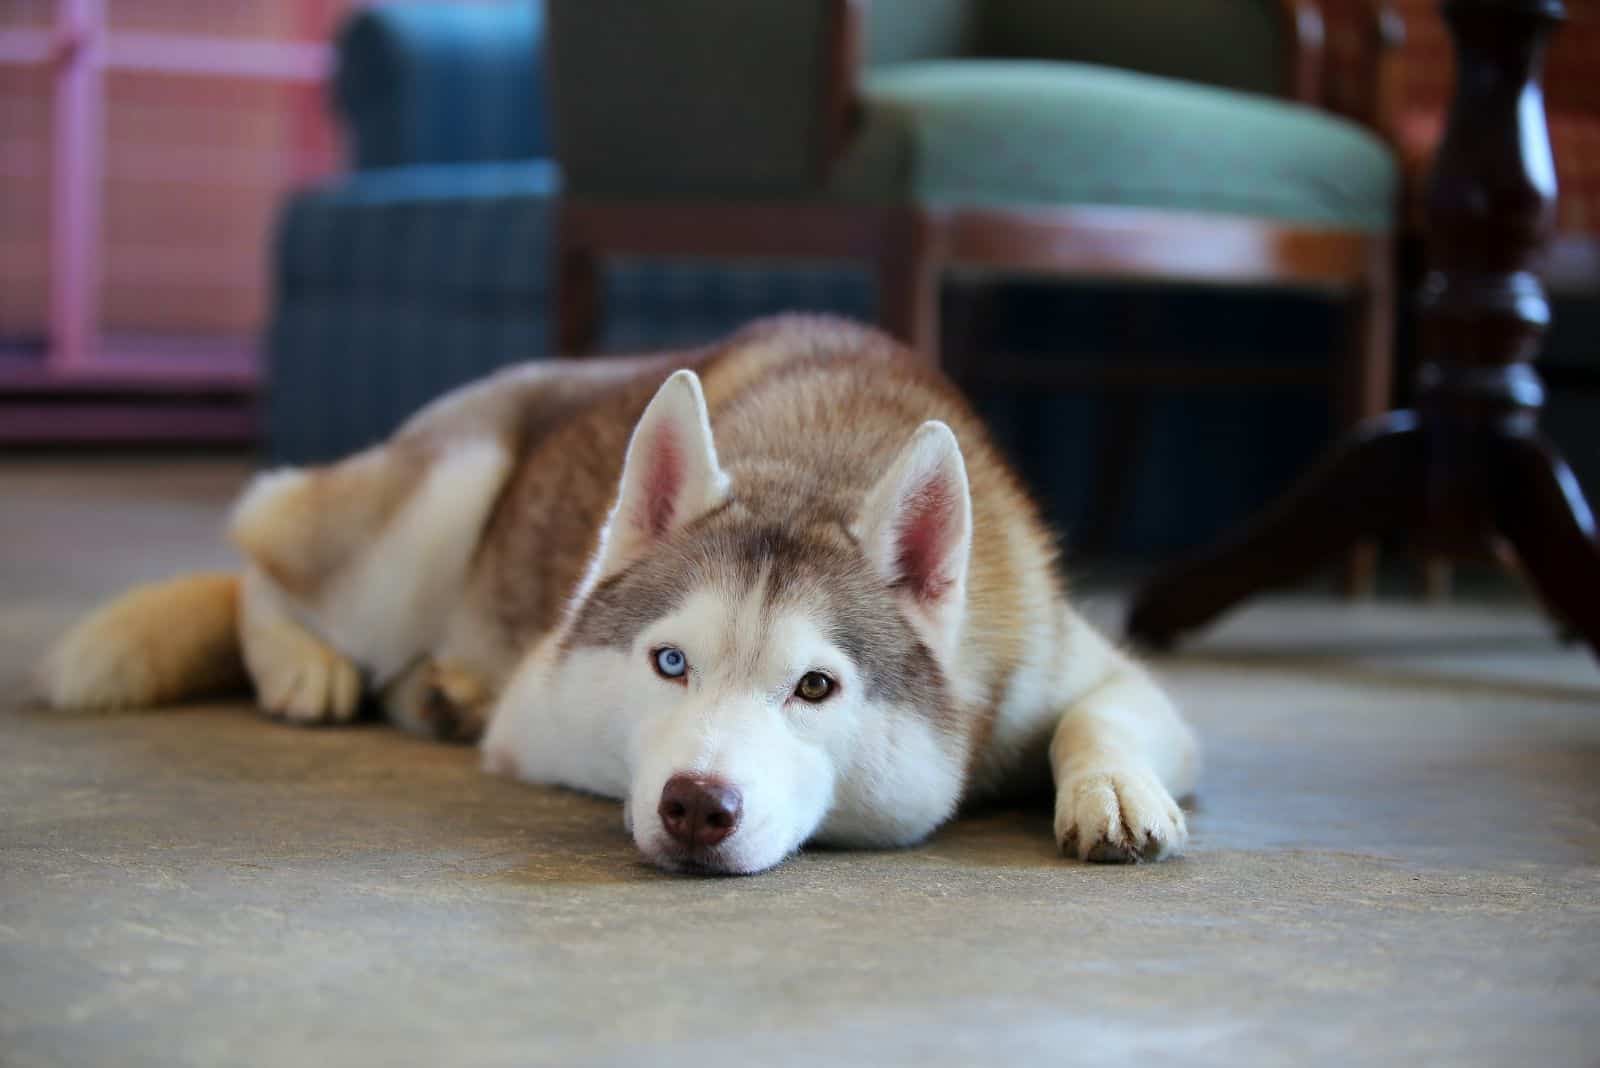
1121 754
439 700
368 554
296 674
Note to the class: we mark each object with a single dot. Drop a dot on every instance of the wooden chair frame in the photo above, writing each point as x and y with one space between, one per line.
911 246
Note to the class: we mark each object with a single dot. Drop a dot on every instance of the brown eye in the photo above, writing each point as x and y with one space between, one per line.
814 686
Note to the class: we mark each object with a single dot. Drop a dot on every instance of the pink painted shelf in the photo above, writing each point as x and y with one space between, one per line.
185 66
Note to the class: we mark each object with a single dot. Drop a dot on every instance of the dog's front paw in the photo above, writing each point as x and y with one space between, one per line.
300 679
1118 816
455 706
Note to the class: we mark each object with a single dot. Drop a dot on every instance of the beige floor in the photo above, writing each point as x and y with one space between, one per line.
1396 858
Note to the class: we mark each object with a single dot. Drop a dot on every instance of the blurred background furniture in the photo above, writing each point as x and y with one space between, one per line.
394 282
427 264
430 259
144 145
1146 140
1412 79
420 268
1469 464
1417 75
160 283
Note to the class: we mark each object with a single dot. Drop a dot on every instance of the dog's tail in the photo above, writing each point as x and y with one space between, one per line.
154 645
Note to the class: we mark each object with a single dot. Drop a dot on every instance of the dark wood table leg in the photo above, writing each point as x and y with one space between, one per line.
1469 466
1364 488
1552 531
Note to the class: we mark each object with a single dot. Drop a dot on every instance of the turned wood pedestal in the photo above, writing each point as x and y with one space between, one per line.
1468 468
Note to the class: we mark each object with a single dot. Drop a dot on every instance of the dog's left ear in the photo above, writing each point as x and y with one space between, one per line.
916 528
671 475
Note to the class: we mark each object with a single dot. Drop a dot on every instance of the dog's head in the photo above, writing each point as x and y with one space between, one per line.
772 680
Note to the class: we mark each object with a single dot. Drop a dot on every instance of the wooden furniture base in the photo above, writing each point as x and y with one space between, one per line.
131 395
1468 466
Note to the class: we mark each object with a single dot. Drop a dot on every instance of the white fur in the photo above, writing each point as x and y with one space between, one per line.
258 507
1120 754
737 720
563 720
295 674
848 770
391 604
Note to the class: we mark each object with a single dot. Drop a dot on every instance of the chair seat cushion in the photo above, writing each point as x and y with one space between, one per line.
1014 133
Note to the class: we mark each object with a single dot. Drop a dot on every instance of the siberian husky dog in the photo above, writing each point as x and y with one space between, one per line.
816 606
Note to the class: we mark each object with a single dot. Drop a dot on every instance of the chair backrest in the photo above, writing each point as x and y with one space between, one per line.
903 31
666 97
663 98
1235 44
442 83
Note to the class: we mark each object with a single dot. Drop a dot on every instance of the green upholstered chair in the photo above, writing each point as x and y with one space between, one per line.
1176 140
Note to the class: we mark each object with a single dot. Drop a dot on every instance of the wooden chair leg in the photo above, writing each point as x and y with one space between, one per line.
577 301
1363 389
1438 578
908 288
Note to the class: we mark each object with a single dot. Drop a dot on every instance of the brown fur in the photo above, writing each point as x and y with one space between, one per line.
153 645
807 412
544 528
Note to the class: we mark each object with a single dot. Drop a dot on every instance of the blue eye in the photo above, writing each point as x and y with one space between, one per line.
671 663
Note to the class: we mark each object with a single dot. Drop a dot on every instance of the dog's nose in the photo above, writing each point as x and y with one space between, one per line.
699 812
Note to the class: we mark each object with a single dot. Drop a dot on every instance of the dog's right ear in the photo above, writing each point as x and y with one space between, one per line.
671 475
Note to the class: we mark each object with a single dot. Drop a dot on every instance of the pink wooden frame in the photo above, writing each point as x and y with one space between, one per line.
79 55
82 49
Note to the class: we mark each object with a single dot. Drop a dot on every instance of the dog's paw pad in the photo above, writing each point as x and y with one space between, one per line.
1118 817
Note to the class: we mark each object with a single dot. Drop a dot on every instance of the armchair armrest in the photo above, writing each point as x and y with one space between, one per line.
441 83
673 97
